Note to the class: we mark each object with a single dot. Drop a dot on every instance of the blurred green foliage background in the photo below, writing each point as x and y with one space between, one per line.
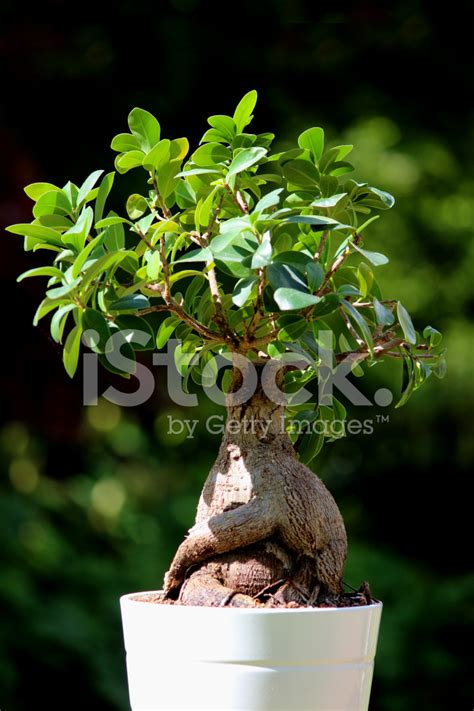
94 501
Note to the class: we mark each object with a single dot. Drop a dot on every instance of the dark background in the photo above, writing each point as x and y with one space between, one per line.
93 501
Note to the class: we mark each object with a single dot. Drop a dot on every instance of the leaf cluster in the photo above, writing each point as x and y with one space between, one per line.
242 248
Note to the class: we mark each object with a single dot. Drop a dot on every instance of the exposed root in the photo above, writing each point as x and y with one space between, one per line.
262 517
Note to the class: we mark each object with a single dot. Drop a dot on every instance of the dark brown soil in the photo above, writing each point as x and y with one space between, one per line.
267 599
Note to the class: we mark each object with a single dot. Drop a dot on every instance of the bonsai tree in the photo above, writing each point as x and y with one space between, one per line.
259 257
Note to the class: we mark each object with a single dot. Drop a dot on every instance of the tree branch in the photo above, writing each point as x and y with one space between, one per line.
165 210
238 199
176 309
166 273
322 245
336 264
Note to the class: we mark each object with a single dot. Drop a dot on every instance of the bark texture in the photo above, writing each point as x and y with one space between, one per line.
263 519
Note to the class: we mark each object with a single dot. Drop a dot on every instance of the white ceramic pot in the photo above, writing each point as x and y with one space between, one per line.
247 659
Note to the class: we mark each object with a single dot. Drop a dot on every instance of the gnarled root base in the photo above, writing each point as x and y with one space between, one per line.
263 574
263 518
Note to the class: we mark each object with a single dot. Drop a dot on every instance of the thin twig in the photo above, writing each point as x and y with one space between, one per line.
238 199
322 245
176 309
147 242
336 264
166 273
165 210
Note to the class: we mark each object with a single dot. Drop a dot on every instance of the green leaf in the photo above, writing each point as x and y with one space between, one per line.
326 202
196 171
236 257
406 324
244 290
99 330
297 260
179 148
263 255
166 330
360 322
367 223
60 223
383 315
433 334
408 382
386 199
71 191
42 271
102 264
224 124
114 237
153 267
375 258
136 206
340 167
36 190
440 368
104 190
167 179
315 274
158 156
269 200
59 292
131 326
37 232
291 327
45 307
111 220
192 292
244 140
54 202
71 350
285 276
243 112
202 213
245 159
196 255
301 173
313 140
327 305
87 186
289 299
212 135
185 274
76 236
348 290
124 142
126 350
126 161
210 155
133 302
230 231
275 349
144 224
58 322
317 223
81 259
145 128
343 151
365 277
310 446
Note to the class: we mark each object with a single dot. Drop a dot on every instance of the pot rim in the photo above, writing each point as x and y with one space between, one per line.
128 599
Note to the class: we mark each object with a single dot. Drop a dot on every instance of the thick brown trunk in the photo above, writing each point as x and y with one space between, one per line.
264 519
